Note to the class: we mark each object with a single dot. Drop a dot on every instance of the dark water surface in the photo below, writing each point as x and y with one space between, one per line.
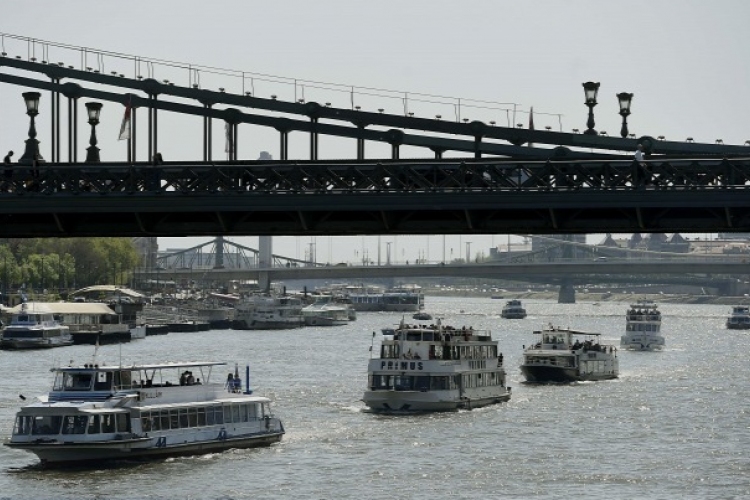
676 424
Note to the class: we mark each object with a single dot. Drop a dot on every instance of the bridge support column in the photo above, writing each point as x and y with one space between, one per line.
55 121
207 136
567 294
284 144
153 135
72 129
360 144
314 138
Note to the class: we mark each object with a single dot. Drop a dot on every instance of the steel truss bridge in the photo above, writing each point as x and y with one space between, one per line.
565 183
224 261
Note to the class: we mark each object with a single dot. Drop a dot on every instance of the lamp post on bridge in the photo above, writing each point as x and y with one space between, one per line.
31 153
590 90
92 152
624 99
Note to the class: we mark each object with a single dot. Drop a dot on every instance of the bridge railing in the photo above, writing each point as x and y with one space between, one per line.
374 177
262 84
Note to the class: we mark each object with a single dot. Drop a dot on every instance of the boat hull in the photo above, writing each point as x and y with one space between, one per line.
265 325
324 321
70 454
738 326
642 343
535 373
414 401
513 315
32 344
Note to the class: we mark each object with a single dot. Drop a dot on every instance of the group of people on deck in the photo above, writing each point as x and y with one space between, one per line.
187 379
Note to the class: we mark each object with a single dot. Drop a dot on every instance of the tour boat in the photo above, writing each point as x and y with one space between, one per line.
96 412
643 327
422 316
435 368
407 298
324 312
34 326
556 358
268 312
739 319
513 309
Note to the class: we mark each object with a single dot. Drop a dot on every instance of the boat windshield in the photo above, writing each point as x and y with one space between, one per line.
73 381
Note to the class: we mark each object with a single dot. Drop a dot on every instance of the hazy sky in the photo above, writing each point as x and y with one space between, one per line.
686 62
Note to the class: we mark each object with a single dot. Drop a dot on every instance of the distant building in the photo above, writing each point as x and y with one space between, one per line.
557 246
147 248
659 242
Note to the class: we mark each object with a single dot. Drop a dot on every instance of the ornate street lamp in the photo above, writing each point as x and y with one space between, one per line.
92 152
31 152
590 90
624 99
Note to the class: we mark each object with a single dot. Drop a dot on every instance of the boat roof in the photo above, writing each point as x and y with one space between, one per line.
564 330
62 308
108 289
160 366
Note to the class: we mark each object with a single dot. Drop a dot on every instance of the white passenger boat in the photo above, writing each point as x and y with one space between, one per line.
325 312
34 326
96 412
435 368
739 319
513 309
642 327
268 312
406 298
556 358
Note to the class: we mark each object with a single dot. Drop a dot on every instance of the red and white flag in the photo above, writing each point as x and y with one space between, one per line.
125 125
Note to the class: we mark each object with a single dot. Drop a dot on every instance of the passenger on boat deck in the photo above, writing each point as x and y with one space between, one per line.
183 378
197 381
230 381
190 379
236 384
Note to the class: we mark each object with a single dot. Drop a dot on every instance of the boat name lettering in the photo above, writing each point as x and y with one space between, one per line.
401 365
152 395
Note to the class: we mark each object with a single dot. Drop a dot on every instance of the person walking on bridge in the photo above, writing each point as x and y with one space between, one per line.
8 173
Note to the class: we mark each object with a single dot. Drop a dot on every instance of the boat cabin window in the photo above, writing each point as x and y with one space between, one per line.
553 339
73 381
74 424
48 424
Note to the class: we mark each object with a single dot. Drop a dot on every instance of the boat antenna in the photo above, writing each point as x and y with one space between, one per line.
96 350
372 343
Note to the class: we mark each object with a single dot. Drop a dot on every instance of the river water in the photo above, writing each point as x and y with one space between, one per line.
676 424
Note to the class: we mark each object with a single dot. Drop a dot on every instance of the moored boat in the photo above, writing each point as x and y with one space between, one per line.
406 298
268 312
556 358
642 327
95 413
435 368
739 319
513 309
324 312
34 326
